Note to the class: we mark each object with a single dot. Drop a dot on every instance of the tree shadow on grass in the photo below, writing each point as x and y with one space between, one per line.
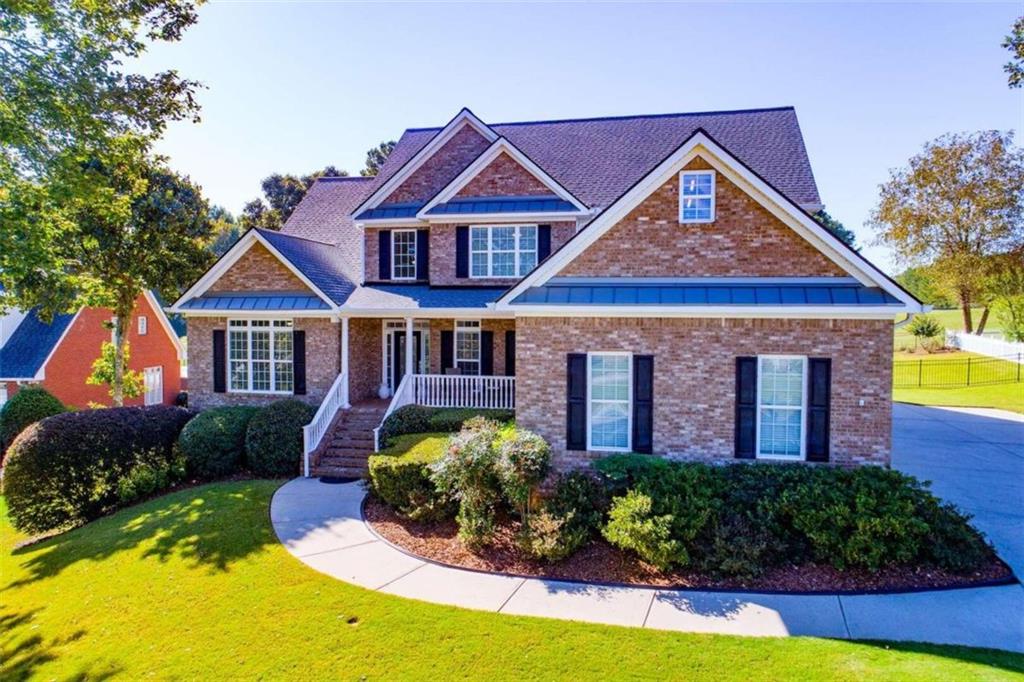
210 526
22 656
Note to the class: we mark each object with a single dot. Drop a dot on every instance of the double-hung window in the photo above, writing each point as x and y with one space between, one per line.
610 414
781 406
260 356
467 346
502 250
403 254
696 196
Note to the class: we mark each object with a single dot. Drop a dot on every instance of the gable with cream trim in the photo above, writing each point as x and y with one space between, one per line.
745 240
504 176
258 270
441 168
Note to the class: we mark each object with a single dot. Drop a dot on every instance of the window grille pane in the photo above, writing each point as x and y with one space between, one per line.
781 389
238 345
239 374
479 264
404 256
283 376
260 376
610 425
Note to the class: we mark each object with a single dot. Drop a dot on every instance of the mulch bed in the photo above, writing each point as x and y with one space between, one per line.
602 563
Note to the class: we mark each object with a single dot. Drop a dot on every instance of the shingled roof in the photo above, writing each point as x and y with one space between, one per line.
30 344
600 158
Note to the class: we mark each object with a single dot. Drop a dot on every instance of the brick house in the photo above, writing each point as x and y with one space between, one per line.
58 355
652 284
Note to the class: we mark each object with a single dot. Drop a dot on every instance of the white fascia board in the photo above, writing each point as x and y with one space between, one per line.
497 148
165 323
774 312
260 314
723 162
489 218
426 313
240 248
463 118
41 372
390 222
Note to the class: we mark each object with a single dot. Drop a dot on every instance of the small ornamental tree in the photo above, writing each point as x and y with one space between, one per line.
133 384
924 327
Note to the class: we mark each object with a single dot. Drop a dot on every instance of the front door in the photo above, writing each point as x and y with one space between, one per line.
398 355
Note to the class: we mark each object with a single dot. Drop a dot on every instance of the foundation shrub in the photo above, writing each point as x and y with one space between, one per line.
400 475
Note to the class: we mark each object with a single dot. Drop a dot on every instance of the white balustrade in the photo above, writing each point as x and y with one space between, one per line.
313 432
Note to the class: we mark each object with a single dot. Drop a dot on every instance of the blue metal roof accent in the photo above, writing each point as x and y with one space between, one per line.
405 297
385 211
32 342
323 264
485 205
695 294
283 301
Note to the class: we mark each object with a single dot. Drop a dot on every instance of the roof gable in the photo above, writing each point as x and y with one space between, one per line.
31 344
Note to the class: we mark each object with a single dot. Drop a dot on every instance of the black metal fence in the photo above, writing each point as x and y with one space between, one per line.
957 372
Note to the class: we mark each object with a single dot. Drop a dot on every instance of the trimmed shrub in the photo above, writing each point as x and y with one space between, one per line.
273 441
400 476
524 459
468 473
452 419
213 444
27 406
68 468
420 419
149 477
633 525
568 519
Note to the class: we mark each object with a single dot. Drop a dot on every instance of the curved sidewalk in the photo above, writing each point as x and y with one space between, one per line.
322 525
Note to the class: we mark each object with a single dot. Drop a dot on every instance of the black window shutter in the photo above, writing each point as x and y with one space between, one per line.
543 242
643 403
299 361
447 349
423 254
462 251
219 365
384 254
819 402
510 353
487 353
746 407
576 402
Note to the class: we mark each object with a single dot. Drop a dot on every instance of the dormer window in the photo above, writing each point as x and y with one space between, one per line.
697 196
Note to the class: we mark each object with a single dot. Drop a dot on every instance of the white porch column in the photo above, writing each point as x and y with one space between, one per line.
344 360
409 369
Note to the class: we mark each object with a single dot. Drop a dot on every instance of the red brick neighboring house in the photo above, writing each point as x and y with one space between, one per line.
59 355
653 284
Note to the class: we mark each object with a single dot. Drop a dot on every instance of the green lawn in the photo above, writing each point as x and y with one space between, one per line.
1002 396
950 319
194 585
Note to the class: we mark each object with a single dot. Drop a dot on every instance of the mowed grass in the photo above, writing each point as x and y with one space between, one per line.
950 319
195 585
999 387
1008 397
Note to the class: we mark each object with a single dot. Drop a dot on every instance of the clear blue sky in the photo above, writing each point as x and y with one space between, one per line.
292 87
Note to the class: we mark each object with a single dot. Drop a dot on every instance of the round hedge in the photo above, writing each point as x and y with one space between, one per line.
213 444
273 443
66 468
26 407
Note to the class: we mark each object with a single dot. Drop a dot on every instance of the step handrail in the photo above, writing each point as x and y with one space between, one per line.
313 432
402 397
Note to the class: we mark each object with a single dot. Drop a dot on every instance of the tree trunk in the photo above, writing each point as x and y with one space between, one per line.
965 309
982 321
122 317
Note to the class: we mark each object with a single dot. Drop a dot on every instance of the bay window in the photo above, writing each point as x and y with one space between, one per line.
260 356
502 250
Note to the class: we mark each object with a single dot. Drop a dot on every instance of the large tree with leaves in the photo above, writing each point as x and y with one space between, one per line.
88 216
281 194
376 157
1015 44
840 231
957 203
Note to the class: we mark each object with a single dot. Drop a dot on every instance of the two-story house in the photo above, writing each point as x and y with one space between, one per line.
653 284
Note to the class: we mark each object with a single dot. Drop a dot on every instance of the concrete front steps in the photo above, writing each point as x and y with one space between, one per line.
349 442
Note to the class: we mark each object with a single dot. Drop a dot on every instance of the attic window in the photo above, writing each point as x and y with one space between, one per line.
697 196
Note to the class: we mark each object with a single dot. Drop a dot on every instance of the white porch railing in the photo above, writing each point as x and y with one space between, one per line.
984 345
313 432
443 390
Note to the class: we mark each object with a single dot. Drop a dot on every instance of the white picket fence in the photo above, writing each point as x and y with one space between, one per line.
986 345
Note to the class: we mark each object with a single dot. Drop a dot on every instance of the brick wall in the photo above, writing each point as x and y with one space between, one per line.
503 177
364 347
694 378
442 254
745 240
322 363
441 168
498 327
258 270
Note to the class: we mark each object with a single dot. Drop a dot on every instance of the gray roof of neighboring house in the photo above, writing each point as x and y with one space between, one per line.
32 342
323 264
244 301
485 205
794 293
599 159
405 297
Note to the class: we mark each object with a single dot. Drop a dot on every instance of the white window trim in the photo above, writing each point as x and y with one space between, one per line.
478 330
143 325
387 328
803 410
590 403
157 396
248 329
394 255
692 221
517 252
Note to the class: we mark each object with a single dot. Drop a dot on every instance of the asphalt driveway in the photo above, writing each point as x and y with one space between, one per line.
975 459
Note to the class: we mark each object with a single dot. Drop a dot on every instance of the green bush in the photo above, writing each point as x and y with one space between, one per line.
27 406
273 441
149 476
452 419
400 476
468 473
568 519
68 468
420 419
213 444
633 525
524 459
